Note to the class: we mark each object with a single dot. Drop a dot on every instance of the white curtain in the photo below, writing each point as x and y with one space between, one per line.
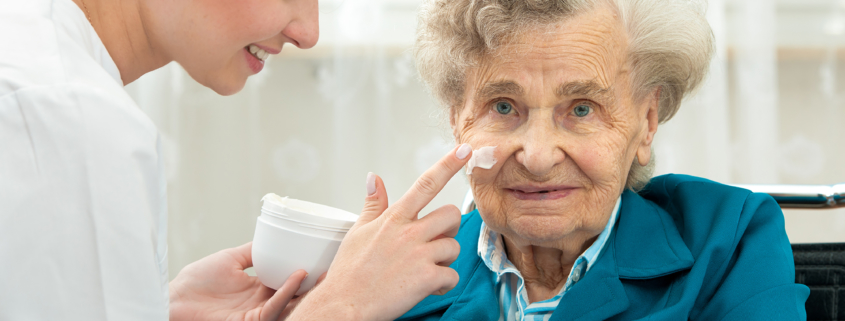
314 122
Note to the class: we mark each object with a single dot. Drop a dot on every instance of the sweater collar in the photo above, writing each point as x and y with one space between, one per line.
645 244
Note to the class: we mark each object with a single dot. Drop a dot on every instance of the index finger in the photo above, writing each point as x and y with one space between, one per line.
432 181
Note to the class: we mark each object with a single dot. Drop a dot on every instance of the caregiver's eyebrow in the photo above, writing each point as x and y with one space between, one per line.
589 89
499 88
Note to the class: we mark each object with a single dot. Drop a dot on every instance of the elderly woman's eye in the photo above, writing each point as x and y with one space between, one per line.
581 110
504 107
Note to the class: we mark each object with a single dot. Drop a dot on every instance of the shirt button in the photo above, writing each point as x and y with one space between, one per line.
576 275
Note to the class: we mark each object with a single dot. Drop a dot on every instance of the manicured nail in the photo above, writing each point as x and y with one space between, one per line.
463 151
371 183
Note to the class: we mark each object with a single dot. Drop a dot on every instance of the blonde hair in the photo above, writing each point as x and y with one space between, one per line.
670 45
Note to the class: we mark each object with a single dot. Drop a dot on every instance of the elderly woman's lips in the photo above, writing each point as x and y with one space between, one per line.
540 195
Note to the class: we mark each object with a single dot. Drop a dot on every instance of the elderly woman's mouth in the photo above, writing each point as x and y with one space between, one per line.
540 193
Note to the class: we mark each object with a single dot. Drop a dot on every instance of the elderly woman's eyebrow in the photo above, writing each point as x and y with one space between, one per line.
498 88
585 89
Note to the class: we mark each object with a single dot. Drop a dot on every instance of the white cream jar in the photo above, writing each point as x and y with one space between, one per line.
291 235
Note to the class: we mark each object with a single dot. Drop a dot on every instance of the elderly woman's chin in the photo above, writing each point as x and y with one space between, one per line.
533 226
537 221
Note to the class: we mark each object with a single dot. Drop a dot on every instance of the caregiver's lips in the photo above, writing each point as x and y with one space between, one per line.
540 192
257 54
254 63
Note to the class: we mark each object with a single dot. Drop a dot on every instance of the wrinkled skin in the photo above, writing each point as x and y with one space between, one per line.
573 128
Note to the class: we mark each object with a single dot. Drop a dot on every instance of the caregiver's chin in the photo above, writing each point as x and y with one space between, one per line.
210 39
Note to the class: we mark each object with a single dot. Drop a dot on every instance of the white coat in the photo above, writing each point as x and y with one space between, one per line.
82 190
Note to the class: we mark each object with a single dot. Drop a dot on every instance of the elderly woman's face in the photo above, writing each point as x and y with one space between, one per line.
558 105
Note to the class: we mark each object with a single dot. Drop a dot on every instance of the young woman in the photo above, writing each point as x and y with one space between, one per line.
82 190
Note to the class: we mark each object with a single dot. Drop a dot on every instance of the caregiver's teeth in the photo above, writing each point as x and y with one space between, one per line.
258 52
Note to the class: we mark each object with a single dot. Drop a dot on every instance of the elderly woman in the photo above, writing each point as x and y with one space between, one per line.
569 223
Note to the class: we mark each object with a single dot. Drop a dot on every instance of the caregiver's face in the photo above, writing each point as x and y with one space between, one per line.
211 39
558 106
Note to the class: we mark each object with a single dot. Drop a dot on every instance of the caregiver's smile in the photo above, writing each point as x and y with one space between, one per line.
257 54
220 43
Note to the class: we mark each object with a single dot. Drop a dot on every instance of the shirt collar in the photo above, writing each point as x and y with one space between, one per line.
491 249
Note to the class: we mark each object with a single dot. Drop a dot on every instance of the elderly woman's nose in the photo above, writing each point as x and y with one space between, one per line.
539 153
304 30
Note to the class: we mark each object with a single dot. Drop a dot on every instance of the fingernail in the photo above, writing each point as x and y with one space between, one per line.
371 183
463 151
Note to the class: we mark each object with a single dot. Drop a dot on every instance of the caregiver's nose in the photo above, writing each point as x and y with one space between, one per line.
305 29
539 154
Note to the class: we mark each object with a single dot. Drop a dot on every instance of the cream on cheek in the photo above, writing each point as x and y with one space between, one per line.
485 181
483 157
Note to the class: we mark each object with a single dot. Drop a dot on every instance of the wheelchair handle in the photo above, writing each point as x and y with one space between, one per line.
803 196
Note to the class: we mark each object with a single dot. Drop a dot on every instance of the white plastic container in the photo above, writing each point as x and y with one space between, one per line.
291 235
306 212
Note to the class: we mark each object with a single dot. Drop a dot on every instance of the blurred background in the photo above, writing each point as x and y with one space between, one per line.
314 122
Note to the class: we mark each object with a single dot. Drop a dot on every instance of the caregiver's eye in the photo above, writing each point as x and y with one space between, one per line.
582 110
504 107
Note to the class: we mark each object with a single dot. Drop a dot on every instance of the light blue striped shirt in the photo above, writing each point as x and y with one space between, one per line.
510 286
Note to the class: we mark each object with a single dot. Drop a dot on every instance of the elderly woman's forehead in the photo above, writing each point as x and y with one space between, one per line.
599 29
579 68
594 41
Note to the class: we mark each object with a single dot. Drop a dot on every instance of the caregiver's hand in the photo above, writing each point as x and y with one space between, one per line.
390 260
217 288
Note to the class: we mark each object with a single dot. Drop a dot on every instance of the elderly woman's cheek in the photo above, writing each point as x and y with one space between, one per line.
607 164
490 204
596 159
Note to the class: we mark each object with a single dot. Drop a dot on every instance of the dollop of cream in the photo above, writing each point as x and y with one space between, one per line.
483 158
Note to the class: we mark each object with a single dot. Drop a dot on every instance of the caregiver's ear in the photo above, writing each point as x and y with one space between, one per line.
651 117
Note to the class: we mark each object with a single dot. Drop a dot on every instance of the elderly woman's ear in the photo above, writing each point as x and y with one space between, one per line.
458 126
651 117
453 121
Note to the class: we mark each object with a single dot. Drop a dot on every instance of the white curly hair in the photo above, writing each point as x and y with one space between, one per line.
670 45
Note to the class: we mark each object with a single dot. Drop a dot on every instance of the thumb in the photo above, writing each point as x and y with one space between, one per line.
376 201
